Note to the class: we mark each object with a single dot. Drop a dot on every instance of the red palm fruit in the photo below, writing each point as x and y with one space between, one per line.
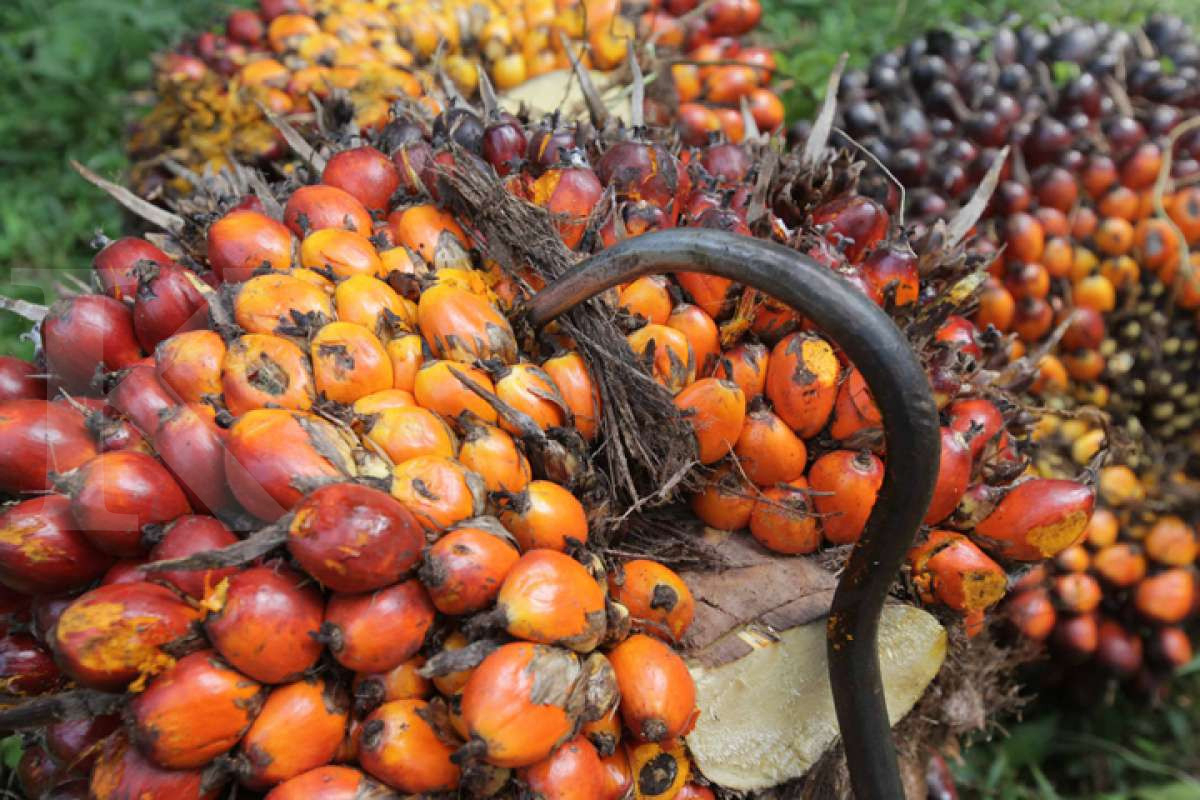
550 598
261 370
733 17
768 451
745 365
402 747
365 173
118 264
463 326
330 783
726 502
75 743
141 398
1168 597
646 299
1140 168
855 409
26 668
464 569
189 364
1171 542
271 452
495 456
17 381
697 122
273 304
129 570
42 550
505 143
353 538
710 292
667 352
694 791
845 484
658 695
311 208
978 420
527 388
893 268
802 382
116 494
569 191
726 161
404 433
86 333
658 600
579 392
378 631
192 446
856 219
782 519
1171 647
45 612
266 604
1037 519
545 516
245 26
1024 237
437 387
37 772
1117 649
961 334
187 536
701 332
954 474
716 410
349 362
948 568
403 682
573 772
516 702
642 171
1032 613
300 727
1033 319
1120 565
1077 636
438 491
194 712
1078 593
107 637
243 242
167 302
122 772
618 777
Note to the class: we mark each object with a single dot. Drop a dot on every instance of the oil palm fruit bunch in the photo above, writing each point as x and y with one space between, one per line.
301 503
1097 206
1117 606
287 55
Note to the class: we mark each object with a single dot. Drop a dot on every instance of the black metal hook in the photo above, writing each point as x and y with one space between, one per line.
900 389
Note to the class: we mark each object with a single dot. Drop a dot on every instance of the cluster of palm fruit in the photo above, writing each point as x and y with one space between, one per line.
288 54
315 514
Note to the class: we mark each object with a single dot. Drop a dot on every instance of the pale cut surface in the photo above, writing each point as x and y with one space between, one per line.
768 716
559 91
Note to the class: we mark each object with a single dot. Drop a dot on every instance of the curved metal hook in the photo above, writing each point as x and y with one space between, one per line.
900 389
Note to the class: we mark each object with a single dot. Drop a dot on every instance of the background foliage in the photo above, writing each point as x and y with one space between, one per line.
70 67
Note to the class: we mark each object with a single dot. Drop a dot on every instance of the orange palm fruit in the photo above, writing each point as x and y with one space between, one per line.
1171 542
401 747
1032 613
340 253
802 382
438 388
701 332
550 598
1102 529
1074 559
647 299
378 631
1078 593
438 491
658 695
371 303
618 777
194 712
545 515
300 727
528 389
572 772
948 568
495 456
716 410
311 208
1037 519
453 683
726 501
658 600
427 231
1171 647
464 569
407 354
189 363
745 365
383 400
1120 565
782 519
516 702
660 769
579 392
845 484
411 431
710 292
767 450
241 242
279 303
403 682
463 326
668 354
605 733
261 369
331 782
349 362
854 409
569 192
1168 597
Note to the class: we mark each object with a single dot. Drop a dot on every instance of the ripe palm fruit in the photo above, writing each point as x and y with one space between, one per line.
184 537
844 484
802 378
573 771
783 519
262 370
122 771
85 332
272 750
438 491
36 438
26 668
660 769
658 695
242 242
1037 519
550 598
950 568
544 515
378 631
329 783
460 325
199 690
465 569
42 550
657 598
402 747
767 450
